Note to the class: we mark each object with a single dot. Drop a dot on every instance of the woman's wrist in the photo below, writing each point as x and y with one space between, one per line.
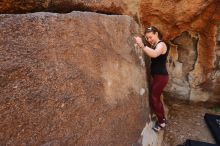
142 46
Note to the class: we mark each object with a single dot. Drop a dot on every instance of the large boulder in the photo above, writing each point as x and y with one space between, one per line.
70 79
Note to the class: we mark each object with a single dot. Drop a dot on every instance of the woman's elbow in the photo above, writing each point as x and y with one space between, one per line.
154 56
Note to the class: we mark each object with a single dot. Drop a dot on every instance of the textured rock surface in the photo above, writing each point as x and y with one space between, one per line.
101 6
70 79
21 6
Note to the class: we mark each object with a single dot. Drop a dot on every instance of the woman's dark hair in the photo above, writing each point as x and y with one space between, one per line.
154 30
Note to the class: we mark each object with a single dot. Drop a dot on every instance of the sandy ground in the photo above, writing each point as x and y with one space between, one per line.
186 121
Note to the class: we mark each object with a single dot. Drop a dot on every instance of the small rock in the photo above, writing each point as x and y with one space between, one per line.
62 105
142 91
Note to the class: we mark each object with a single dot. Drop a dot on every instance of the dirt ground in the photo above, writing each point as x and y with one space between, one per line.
186 121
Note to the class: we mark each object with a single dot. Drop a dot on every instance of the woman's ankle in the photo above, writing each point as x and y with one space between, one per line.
162 125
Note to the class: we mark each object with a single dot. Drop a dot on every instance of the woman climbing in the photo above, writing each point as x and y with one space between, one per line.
158 53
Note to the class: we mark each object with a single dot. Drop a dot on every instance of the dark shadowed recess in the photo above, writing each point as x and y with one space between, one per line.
56 6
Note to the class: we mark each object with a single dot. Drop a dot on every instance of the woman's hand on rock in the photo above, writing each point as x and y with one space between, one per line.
139 42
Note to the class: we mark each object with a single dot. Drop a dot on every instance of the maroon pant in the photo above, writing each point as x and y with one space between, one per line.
159 83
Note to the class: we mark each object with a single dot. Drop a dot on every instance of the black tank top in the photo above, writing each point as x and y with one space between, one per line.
158 64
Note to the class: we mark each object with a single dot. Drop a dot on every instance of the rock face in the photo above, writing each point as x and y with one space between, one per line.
101 6
70 79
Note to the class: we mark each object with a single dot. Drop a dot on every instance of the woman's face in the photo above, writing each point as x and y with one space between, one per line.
151 37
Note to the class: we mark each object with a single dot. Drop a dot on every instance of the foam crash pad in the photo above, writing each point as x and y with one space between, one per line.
196 143
213 122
